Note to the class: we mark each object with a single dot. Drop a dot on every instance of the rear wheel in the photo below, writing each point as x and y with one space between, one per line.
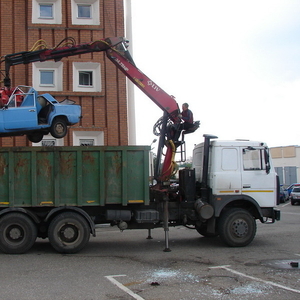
17 233
59 128
237 227
68 232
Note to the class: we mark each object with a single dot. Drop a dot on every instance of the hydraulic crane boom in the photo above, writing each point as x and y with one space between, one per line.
116 51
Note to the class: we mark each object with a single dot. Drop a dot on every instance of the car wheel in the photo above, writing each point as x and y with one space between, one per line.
58 128
35 137
292 202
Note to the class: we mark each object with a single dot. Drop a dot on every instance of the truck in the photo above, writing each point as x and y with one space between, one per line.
63 193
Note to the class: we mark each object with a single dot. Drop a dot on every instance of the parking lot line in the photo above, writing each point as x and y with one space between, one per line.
226 267
122 287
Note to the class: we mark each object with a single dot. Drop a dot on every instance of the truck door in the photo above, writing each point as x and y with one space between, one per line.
257 181
226 178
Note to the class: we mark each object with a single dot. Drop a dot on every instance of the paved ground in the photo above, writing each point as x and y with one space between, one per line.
126 266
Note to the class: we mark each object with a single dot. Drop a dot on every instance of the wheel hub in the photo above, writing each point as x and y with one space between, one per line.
240 228
14 233
68 233
59 128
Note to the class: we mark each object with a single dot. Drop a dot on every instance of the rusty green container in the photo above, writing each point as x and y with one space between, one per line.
75 176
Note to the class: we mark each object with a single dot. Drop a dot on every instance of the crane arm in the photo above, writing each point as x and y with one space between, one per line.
116 51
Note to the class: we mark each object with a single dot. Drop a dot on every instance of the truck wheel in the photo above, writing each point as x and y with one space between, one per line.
17 233
68 232
58 128
237 227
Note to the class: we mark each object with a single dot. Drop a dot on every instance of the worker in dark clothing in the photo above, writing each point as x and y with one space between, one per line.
187 116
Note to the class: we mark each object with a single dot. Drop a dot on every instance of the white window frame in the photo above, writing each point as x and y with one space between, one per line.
56 67
97 136
56 10
95 68
58 142
95 13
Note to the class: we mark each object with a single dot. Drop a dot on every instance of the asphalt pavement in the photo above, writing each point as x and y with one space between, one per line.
126 265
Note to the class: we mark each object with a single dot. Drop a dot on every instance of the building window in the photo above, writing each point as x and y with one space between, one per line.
85 12
47 76
49 141
46 12
86 142
88 138
86 77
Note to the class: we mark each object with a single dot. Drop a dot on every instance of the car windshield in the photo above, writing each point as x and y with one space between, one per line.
296 190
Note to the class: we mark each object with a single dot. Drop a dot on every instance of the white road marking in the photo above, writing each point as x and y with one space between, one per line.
256 278
122 287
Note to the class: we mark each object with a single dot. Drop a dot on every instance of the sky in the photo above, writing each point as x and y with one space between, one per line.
236 62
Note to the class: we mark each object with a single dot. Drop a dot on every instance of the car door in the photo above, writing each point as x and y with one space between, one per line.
21 118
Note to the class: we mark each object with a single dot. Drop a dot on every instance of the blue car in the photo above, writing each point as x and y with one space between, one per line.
24 111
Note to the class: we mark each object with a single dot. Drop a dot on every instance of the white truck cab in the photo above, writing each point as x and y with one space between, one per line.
235 178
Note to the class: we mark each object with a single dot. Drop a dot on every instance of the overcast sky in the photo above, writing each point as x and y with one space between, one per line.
235 62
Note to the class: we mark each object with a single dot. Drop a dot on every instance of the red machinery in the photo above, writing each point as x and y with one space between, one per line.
116 51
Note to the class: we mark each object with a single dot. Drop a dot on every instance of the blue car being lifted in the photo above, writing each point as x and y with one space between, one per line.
24 111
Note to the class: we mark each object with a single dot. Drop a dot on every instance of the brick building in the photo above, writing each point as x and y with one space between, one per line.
102 96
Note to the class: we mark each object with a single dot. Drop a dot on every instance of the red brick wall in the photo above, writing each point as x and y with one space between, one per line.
104 111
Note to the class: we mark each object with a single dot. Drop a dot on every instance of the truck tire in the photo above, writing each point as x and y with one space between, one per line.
237 227
58 128
17 233
68 232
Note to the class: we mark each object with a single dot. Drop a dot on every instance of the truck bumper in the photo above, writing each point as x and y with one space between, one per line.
270 215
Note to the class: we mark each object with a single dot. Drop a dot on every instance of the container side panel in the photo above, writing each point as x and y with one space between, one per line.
45 178
113 177
90 177
136 176
67 178
22 178
4 179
